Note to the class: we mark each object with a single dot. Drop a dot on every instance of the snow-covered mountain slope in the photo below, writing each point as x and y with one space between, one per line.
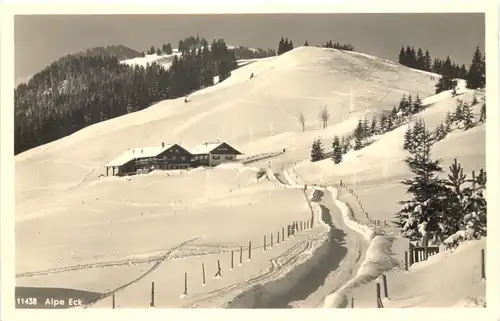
69 217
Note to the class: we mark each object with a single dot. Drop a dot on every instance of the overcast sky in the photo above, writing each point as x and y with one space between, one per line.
42 39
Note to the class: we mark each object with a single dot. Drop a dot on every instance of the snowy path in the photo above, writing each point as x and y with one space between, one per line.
331 267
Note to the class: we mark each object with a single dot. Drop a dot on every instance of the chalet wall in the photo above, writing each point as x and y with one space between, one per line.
217 159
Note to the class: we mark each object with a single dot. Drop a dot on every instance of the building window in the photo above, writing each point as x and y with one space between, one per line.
215 157
176 150
183 157
229 157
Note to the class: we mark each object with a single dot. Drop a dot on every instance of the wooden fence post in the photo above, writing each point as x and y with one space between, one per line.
278 238
272 241
384 279
232 259
219 270
241 254
152 302
410 249
185 283
203 272
282 234
249 250
264 243
426 254
113 301
352 303
483 271
406 261
378 295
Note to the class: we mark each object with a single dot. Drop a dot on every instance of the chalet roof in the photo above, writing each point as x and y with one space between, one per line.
135 153
207 147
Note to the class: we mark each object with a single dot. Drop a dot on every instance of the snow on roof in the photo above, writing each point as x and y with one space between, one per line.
134 153
206 147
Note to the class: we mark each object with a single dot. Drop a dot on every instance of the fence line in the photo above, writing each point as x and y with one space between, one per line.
292 229
377 223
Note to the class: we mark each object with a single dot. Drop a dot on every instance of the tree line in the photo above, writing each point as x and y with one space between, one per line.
475 76
82 89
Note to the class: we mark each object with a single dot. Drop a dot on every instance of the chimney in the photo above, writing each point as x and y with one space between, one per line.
162 144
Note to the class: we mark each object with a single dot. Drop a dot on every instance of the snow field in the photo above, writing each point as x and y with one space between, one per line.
70 216
445 280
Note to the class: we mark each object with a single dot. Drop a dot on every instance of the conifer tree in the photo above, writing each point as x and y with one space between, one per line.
427 61
449 120
358 136
383 123
420 64
445 83
440 132
452 221
403 106
317 152
366 128
402 56
467 116
458 115
281 46
306 44
476 77
373 127
168 49
344 145
390 123
422 213
337 150
407 138
417 105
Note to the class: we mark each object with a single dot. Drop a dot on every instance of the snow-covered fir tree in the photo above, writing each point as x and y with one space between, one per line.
373 128
421 214
407 137
403 106
317 152
383 123
467 116
394 115
449 120
344 145
366 128
390 123
457 117
409 105
358 136
337 150
440 132
417 105
452 221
